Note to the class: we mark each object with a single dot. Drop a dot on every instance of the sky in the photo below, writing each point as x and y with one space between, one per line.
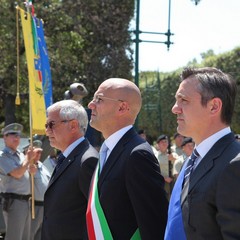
212 24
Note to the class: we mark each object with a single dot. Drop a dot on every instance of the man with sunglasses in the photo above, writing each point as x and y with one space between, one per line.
15 184
65 200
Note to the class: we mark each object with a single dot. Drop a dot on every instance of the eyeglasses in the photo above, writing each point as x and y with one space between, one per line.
51 124
99 98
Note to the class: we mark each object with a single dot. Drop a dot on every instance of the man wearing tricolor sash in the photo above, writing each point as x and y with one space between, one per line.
127 198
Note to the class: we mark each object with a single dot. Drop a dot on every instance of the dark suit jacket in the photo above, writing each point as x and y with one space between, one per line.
65 201
211 206
131 190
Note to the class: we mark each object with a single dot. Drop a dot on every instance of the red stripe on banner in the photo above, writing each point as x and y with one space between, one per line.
90 228
33 13
40 76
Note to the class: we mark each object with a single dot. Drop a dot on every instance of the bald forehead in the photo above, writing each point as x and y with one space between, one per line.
120 85
123 89
116 83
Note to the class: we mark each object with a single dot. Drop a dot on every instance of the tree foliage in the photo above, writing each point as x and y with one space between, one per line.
88 41
228 62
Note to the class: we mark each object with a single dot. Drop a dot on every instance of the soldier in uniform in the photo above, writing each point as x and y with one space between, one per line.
177 146
41 180
51 161
187 147
166 158
15 188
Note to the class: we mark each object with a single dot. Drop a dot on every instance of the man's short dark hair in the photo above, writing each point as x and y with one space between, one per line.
213 83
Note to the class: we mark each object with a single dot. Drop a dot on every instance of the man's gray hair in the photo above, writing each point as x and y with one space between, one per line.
70 109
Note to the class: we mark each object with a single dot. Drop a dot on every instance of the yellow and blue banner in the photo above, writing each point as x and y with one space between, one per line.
44 63
40 83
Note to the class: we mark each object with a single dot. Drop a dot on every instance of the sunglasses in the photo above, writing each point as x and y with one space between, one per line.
51 124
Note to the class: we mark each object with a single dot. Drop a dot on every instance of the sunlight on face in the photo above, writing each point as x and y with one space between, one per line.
191 115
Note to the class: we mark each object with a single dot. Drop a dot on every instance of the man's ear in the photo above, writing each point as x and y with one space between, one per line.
123 107
74 124
215 105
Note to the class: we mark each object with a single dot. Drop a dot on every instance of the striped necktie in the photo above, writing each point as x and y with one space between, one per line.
190 165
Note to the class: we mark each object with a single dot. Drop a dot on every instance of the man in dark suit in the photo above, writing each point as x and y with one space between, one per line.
205 202
130 188
65 200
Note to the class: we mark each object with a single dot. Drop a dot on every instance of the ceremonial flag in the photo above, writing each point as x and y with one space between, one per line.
45 66
35 76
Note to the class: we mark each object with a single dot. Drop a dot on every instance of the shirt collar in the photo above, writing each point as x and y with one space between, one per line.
112 140
69 149
207 144
9 150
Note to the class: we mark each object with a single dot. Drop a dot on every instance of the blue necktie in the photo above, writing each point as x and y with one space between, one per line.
103 155
190 165
59 161
174 228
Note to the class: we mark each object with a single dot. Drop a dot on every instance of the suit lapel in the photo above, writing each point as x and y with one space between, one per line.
80 149
206 164
114 155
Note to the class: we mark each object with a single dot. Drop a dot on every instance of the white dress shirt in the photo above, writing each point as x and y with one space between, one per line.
207 144
112 140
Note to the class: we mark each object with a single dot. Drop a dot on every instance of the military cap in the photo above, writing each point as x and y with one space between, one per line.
36 143
187 140
12 128
141 131
161 137
237 136
176 135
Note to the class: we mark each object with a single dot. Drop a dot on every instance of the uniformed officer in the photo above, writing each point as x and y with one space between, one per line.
51 161
165 157
41 180
15 190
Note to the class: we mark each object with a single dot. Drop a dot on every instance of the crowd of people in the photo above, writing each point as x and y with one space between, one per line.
171 153
175 188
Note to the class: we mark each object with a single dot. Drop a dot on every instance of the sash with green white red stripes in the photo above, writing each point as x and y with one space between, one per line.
97 225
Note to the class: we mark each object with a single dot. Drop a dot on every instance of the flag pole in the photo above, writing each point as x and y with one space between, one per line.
37 106
31 136
17 102
31 144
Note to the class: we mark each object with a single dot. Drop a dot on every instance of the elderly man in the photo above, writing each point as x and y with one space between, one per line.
15 184
127 195
65 200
